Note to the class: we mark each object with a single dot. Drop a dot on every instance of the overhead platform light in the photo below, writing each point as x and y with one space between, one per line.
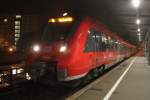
136 3
65 14
138 21
138 29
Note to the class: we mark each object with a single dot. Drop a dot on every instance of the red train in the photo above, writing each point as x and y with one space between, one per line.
72 49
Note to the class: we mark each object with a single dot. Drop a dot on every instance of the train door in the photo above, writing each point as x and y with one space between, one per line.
110 49
90 48
99 49
94 58
105 47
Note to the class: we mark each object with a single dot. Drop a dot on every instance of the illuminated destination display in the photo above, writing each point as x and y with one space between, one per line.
60 20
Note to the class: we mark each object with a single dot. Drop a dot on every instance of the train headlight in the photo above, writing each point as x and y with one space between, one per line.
63 48
36 48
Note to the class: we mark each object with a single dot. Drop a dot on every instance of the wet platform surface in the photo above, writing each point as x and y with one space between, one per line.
134 85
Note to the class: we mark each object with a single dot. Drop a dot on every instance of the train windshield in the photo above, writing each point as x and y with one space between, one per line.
58 29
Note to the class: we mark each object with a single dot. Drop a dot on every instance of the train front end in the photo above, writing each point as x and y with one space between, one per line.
50 58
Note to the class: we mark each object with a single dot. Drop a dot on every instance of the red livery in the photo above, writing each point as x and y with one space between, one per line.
71 49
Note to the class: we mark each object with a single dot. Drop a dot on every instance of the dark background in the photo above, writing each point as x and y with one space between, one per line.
105 11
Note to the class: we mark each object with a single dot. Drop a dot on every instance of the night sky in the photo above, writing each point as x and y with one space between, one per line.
38 6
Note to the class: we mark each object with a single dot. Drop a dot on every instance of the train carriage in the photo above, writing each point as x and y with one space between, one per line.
71 49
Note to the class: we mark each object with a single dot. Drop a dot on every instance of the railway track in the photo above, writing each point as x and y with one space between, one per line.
31 91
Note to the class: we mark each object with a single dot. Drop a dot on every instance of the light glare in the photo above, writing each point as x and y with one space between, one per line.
139 34
36 48
140 38
136 3
65 14
61 20
10 49
63 48
67 19
53 20
5 20
138 21
20 71
14 71
28 76
18 16
139 30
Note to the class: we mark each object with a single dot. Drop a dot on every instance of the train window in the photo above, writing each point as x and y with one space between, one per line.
104 39
59 31
104 42
98 40
115 45
121 48
109 43
112 44
90 42
109 39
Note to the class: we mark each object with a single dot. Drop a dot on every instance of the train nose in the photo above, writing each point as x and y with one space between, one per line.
37 70
43 70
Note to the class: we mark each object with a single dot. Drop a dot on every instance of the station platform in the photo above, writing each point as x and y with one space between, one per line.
128 81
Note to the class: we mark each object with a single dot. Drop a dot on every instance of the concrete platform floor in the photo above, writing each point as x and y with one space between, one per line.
129 81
